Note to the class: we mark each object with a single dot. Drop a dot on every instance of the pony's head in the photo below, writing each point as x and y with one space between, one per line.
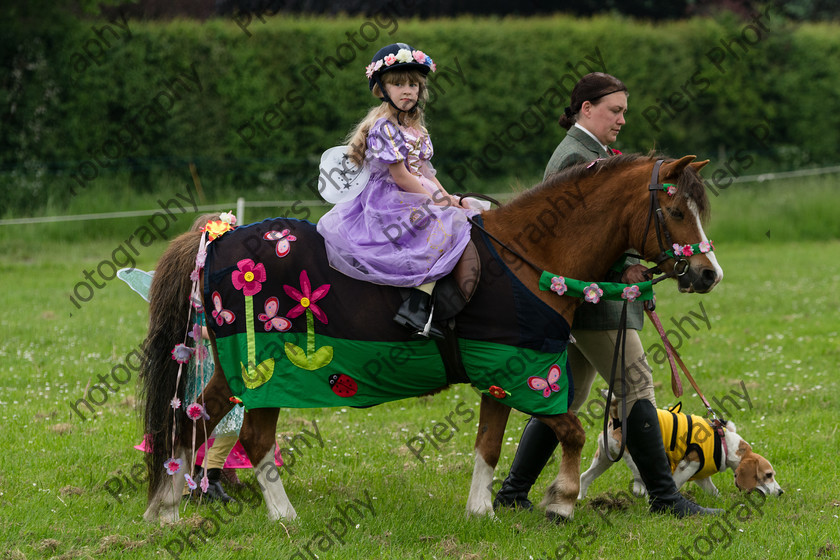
674 236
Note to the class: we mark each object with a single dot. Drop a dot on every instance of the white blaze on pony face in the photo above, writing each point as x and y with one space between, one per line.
479 501
711 254
276 500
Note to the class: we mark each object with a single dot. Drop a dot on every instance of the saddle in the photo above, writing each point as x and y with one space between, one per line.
454 291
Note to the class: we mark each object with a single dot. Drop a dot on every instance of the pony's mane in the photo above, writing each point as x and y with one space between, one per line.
688 183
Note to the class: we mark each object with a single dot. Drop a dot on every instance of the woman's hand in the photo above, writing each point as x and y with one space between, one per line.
634 274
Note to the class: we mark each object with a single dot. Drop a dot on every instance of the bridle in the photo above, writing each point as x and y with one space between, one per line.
656 216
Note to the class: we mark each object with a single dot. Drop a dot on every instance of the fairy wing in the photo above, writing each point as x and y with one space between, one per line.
138 280
340 179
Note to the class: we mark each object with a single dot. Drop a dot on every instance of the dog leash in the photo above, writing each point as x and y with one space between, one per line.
676 384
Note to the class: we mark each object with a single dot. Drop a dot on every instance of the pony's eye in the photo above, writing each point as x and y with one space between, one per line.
675 213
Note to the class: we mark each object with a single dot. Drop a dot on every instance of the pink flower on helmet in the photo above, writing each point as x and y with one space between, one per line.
369 71
389 60
420 56
434 67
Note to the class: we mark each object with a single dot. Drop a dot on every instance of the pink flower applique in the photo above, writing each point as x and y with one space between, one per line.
705 246
249 277
558 285
173 465
194 275
687 251
630 293
182 353
175 403
205 483
190 482
671 190
196 411
592 293
306 298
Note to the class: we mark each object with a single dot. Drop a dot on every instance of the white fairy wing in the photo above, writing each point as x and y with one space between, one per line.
339 179
138 280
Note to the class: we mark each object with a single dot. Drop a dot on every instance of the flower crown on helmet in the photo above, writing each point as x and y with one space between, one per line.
398 56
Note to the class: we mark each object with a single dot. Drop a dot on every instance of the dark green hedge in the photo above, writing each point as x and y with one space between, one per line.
739 92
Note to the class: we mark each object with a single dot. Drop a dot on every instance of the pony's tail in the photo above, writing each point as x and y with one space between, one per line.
169 311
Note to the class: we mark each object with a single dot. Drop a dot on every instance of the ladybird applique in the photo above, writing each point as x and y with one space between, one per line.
343 385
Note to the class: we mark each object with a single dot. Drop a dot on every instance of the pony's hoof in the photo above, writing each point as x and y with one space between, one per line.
481 510
151 515
559 513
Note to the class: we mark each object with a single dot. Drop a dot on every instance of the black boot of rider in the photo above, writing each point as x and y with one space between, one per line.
214 490
415 313
535 448
644 442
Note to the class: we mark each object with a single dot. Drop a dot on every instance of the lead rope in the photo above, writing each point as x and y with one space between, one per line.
620 343
676 385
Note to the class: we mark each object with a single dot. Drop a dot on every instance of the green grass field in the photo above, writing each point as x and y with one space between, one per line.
66 488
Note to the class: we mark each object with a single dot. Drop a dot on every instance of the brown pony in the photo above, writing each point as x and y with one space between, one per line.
576 223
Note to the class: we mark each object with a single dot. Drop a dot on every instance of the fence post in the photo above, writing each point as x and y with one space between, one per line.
240 211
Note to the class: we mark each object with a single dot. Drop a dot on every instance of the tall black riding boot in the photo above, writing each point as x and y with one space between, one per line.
644 442
415 313
535 448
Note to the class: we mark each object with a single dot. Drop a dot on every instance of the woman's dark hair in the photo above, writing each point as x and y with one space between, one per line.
591 87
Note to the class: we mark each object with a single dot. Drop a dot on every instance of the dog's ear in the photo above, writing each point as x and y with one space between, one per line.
746 475
730 425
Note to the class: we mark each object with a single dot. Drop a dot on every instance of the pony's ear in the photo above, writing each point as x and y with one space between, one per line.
674 168
698 165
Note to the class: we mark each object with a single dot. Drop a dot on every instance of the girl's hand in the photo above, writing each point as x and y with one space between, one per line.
447 200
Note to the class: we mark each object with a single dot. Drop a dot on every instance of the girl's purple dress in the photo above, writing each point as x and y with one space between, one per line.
387 235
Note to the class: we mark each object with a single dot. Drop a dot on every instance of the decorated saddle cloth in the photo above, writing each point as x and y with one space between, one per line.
292 332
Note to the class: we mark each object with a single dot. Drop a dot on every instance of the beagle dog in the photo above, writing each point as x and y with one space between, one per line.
696 449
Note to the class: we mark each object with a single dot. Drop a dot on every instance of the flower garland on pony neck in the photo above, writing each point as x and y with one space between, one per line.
182 353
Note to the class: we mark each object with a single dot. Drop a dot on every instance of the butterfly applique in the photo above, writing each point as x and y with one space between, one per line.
283 241
270 316
221 314
547 384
